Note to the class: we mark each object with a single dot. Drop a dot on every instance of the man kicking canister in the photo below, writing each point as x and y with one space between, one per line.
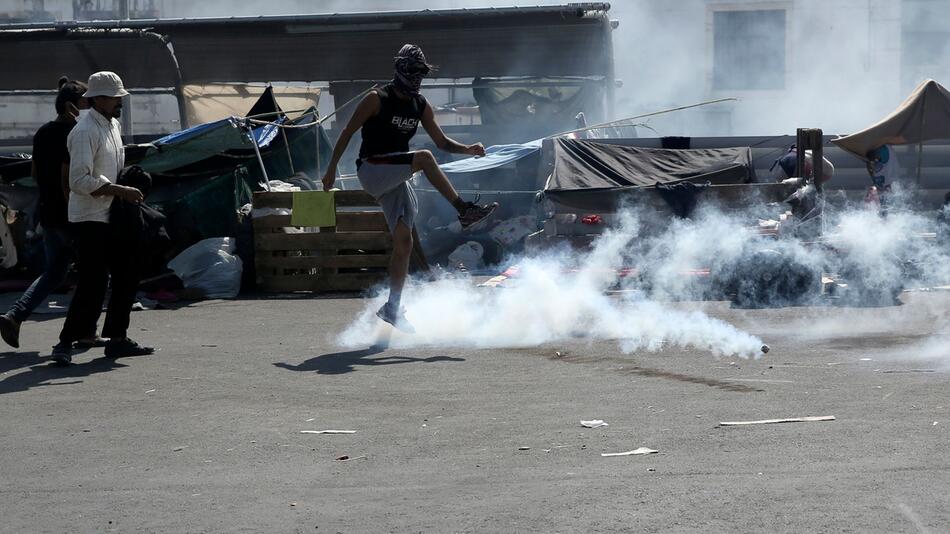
389 117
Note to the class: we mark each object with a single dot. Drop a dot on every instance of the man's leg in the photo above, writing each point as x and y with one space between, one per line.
469 212
399 262
123 266
56 248
398 270
424 161
86 306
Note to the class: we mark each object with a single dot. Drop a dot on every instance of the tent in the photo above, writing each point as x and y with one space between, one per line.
592 175
923 116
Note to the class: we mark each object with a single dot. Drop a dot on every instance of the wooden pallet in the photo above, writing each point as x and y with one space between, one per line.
351 256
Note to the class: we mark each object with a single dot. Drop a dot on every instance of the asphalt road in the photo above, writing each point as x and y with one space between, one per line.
205 435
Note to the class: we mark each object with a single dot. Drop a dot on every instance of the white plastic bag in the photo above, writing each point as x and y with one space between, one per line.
513 230
468 255
211 266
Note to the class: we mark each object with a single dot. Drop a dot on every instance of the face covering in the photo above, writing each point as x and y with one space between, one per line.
410 69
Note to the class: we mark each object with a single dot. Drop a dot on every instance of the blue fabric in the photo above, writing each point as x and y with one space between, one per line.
58 255
194 131
264 134
495 156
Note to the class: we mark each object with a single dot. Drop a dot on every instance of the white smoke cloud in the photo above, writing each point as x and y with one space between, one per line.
562 296
556 297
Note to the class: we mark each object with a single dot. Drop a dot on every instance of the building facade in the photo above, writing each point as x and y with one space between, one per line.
833 64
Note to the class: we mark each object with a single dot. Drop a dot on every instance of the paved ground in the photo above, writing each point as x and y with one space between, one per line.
205 435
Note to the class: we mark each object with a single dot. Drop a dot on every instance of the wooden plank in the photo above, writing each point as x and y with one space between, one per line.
356 221
308 262
285 199
339 282
323 241
773 421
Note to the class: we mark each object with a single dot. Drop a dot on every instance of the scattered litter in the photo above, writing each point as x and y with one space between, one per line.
546 450
789 420
529 448
209 345
909 371
935 423
176 449
328 432
86 430
150 391
595 423
865 359
765 349
311 419
651 469
346 458
293 504
557 354
641 450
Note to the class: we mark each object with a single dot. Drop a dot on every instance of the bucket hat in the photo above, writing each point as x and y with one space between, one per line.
105 83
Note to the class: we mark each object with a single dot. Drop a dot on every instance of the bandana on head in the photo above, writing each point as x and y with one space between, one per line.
410 69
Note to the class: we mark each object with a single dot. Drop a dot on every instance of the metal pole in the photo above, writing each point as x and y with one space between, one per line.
257 152
801 143
290 158
316 133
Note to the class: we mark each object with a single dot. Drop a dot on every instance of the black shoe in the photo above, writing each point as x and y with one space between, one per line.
62 353
472 215
395 317
10 330
122 348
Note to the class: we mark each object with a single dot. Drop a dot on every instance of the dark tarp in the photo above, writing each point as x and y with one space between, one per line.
538 111
464 43
39 57
592 175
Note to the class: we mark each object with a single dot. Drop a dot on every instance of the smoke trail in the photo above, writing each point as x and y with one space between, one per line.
557 297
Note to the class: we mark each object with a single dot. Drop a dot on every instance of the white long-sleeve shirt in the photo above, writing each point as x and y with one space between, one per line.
95 158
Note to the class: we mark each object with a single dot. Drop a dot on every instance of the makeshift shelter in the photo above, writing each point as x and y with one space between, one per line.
595 176
923 116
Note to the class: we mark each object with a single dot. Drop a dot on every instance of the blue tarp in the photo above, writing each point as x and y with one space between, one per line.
495 156
264 134
202 141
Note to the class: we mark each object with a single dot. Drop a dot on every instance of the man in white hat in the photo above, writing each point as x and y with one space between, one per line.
96 157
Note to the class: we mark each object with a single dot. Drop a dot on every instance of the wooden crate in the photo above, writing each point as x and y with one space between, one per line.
351 256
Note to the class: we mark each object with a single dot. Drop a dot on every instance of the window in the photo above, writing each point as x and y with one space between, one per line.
749 49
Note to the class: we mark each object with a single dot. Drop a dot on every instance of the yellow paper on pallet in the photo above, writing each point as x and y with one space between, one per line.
313 208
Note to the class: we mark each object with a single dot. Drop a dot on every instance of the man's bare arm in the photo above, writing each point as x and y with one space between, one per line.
443 141
367 108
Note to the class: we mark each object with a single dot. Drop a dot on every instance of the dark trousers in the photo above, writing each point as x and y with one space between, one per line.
99 256
58 251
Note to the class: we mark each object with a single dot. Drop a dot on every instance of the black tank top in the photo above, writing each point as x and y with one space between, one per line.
391 129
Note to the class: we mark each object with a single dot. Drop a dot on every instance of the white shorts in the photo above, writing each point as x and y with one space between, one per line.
386 178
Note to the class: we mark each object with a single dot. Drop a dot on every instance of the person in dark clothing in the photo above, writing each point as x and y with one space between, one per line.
388 118
50 170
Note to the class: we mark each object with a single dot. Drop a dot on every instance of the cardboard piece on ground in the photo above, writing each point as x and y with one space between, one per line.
313 208
641 450
789 420
595 423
